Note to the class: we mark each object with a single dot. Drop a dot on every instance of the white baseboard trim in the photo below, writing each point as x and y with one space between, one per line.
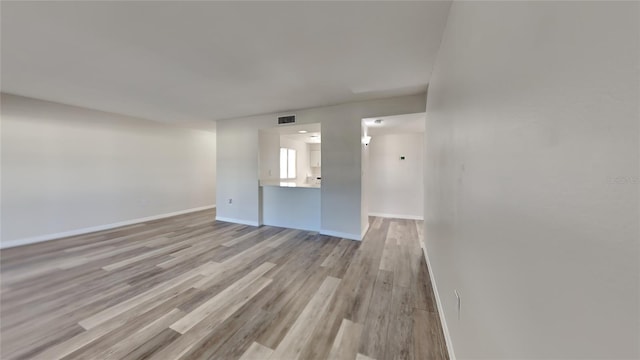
87 230
364 231
237 221
443 321
292 227
341 235
397 216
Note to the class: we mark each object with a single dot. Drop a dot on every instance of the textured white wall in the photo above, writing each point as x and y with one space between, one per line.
396 187
238 153
66 168
269 143
532 165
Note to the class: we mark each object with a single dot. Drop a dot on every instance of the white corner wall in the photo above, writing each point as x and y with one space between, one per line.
532 168
396 187
67 169
238 169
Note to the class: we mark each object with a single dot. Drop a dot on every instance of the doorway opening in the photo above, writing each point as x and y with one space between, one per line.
393 163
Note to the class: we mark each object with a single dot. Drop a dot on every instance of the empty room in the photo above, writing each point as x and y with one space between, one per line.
342 180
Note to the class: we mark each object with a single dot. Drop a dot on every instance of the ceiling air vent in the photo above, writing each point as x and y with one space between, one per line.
286 119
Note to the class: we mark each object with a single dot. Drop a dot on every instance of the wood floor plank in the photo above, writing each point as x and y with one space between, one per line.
83 339
232 338
275 242
335 255
361 274
146 255
20 324
400 329
152 346
292 344
191 287
326 331
377 321
363 357
257 352
389 253
29 346
225 298
122 348
97 255
428 340
135 321
289 309
423 293
101 317
239 239
340 268
345 346
190 339
402 272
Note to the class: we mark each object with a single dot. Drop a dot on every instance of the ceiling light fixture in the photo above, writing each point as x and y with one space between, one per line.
302 131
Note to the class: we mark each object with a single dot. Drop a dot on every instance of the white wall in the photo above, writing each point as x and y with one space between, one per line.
269 163
67 168
237 169
532 165
396 187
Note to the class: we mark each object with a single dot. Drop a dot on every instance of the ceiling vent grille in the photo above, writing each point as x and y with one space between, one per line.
286 119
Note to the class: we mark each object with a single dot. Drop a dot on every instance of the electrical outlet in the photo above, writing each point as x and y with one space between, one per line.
230 201
458 302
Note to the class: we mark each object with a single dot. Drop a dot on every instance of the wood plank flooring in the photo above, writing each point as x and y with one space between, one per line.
189 287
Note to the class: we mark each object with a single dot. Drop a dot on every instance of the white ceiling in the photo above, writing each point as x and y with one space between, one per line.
312 131
292 129
193 62
397 124
309 138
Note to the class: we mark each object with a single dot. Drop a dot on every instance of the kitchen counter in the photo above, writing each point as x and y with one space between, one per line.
290 184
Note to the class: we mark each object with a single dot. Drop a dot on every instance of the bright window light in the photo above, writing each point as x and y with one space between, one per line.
292 164
283 163
287 163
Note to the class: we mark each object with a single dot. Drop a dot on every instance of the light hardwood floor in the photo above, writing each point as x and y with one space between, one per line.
189 287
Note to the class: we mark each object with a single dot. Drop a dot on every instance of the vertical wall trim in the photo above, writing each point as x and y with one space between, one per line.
443 321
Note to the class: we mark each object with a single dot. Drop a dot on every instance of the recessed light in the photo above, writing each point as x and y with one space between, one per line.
378 121
302 131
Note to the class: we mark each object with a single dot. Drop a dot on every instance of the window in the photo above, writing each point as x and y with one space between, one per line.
287 163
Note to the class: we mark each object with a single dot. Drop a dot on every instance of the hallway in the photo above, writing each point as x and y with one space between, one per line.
189 287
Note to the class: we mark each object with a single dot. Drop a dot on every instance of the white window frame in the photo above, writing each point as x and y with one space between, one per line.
288 166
